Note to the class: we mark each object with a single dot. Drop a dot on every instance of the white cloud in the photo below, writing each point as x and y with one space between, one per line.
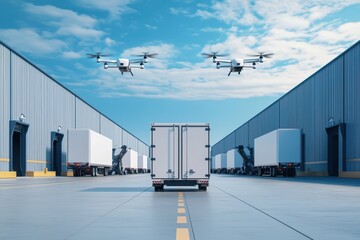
109 42
115 7
164 51
71 55
30 41
67 22
179 11
150 27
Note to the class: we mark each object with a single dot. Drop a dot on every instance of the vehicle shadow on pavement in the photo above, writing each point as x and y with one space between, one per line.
117 189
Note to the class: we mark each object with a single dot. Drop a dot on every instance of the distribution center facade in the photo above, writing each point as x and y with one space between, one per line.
326 107
35 113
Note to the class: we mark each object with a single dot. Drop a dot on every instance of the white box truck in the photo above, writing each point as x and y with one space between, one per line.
219 163
88 152
234 162
142 163
130 162
180 155
278 152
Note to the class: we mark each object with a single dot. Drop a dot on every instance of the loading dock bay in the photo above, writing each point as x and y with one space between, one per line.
126 207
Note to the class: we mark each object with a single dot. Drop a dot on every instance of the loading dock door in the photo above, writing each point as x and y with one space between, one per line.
56 152
17 135
336 149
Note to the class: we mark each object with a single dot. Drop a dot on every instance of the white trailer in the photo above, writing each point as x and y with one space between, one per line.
278 152
180 154
88 152
142 163
130 162
219 163
234 161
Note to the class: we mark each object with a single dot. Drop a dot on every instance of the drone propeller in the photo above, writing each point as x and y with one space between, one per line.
96 55
262 55
213 55
147 55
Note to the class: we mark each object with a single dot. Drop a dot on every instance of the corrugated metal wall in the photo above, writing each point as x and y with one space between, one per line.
352 106
242 135
110 130
264 122
86 117
332 92
4 107
46 105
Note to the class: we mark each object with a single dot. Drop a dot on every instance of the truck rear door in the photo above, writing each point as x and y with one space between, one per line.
195 152
165 152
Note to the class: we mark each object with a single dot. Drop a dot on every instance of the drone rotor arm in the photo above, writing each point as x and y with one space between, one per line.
223 60
106 61
252 60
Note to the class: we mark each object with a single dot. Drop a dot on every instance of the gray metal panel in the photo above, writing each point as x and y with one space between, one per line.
46 106
309 108
129 140
111 130
86 116
242 135
229 142
218 148
264 122
352 103
4 107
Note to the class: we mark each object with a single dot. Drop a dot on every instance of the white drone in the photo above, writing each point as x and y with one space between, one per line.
123 64
236 64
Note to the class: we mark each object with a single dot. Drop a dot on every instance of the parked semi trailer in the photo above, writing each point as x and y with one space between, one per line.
219 160
234 163
130 162
278 152
88 152
180 155
142 163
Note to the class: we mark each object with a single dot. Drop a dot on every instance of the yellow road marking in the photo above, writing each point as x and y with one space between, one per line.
181 194
181 200
36 161
181 219
180 204
182 234
181 210
4 160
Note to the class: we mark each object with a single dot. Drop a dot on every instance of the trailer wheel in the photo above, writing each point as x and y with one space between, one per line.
273 171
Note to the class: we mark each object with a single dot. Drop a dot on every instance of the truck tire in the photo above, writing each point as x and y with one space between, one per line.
273 171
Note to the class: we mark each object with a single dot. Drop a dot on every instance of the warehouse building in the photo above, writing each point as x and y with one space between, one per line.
35 113
326 108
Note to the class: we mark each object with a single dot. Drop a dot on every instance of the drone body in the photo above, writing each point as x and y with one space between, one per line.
123 64
237 64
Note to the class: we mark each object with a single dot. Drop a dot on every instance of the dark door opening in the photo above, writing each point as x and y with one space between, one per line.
333 154
56 152
16 150
18 132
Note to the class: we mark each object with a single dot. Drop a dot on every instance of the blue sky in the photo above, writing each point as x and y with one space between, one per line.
180 85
